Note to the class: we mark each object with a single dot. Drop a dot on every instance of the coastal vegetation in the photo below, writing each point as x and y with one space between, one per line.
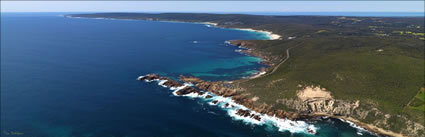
384 73
371 66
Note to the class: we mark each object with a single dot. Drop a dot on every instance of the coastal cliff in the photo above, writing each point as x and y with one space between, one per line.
311 102
318 105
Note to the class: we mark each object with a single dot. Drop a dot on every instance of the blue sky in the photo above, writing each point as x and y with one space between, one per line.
212 6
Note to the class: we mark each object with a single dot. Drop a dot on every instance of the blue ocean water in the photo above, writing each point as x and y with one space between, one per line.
67 77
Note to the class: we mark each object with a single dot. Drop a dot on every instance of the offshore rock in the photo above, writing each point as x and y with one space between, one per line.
243 113
172 83
214 101
168 83
149 77
247 113
188 90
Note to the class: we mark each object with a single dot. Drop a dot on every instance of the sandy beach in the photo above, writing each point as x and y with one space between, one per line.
270 34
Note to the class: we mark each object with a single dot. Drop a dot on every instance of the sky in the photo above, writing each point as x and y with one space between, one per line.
212 6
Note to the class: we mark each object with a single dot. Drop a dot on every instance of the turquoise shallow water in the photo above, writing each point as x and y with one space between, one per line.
63 77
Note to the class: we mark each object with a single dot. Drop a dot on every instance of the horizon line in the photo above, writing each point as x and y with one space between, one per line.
221 11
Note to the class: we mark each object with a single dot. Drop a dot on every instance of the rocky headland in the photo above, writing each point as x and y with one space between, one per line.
312 102
205 89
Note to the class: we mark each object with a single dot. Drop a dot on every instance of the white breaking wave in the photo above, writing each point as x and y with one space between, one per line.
359 129
290 125
282 124
148 80
161 83
140 77
192 95
175 89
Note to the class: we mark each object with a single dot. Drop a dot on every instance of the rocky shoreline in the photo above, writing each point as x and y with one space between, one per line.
244 44
192 86
244 107
201 85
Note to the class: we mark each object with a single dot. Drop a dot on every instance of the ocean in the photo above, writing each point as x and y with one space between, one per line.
69 77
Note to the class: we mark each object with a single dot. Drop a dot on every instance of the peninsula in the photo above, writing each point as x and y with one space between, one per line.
366 70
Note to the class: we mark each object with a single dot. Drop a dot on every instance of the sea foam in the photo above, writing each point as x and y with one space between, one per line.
359 129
